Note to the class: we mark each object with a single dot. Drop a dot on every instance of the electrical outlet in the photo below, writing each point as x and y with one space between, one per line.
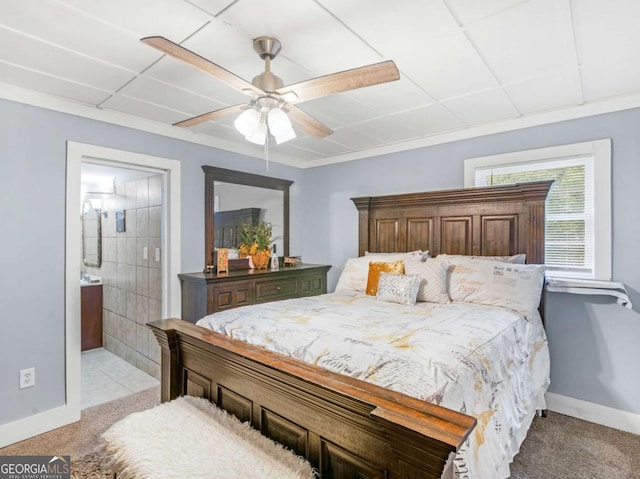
27 378
145 254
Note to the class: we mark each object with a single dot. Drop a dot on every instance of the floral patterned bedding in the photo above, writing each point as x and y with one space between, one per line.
488 362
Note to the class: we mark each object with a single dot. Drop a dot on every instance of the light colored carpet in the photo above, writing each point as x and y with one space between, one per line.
557 447
83 437
563 447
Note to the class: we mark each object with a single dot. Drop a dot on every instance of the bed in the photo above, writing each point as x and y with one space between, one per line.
346 426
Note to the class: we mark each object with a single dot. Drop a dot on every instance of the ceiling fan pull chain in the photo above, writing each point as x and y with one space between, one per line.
266 150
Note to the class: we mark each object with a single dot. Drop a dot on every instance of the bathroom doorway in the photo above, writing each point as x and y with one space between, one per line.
121 280
137 199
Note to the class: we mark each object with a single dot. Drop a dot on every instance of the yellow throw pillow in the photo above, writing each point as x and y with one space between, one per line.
397 267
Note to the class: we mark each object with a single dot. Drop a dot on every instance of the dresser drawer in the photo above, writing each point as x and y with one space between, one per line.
229 295
312 284
276 289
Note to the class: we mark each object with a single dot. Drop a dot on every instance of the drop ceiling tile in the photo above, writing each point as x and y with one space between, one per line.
311 37
340 107
73 30
214 7
614 79
425 121
385 129
143 109
482 107
291 151
354 139
51 85
529 40
389 26
546 93
144 18
36 55
468 11
153 91
391 97
607 31
321 146
449 66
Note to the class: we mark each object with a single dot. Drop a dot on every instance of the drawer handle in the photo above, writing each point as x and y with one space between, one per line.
278 288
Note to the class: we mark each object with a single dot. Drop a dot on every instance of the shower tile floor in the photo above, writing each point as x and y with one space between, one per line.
106 377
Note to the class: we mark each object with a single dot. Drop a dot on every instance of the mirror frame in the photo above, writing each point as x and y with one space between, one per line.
213 174
98 261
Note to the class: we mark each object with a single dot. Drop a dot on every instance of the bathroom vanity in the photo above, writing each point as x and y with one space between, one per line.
90 315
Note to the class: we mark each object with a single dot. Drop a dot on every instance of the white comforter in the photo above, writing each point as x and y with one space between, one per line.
488 362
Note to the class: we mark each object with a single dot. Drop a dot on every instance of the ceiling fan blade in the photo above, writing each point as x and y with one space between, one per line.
308 123
181 53
212 115
343 81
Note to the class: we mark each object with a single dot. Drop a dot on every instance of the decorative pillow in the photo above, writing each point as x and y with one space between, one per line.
355 273
417 253
515 259
398 288
433 273
397 267
496 283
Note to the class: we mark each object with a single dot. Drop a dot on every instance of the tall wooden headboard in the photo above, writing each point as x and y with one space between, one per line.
486 221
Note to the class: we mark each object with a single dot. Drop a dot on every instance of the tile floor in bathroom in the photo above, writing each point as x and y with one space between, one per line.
106 377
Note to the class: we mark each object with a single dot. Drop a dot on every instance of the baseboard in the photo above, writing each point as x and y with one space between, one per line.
27 427
592 412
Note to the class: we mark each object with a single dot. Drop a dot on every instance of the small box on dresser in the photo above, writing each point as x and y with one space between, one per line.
207 293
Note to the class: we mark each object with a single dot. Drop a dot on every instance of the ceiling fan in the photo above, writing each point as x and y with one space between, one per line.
272 105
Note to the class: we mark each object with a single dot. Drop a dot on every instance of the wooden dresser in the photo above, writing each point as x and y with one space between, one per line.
204 293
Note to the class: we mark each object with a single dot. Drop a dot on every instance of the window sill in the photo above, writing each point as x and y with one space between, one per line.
590 286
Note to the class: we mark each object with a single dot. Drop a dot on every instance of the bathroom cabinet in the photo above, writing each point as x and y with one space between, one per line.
90 317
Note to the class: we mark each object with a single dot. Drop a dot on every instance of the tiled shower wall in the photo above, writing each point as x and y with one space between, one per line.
132 284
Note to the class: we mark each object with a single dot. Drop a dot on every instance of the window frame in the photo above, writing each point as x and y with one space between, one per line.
600 150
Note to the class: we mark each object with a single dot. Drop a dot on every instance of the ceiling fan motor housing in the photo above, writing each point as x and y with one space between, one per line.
267 81
267 47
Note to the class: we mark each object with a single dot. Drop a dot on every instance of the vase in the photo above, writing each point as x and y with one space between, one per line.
261 259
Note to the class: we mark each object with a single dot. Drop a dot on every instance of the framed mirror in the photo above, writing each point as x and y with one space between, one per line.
234 197
91 235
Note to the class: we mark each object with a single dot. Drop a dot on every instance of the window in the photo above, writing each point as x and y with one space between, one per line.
578 208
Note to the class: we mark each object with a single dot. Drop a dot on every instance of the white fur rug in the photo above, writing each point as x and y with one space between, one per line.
191 438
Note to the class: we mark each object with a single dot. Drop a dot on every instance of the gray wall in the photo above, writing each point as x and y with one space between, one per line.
32 248
594 343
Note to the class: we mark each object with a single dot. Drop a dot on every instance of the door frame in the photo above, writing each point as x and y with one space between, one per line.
78 153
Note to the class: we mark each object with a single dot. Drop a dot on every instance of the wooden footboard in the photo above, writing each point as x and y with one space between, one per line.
345 427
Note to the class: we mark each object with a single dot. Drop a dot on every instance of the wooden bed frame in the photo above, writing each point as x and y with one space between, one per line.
345 427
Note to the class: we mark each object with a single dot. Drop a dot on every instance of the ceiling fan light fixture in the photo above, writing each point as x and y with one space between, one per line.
260 134
289 135
248 122
279 123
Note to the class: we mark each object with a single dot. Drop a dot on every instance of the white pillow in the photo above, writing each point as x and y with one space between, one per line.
433 273
516 258
356 270
398 288
496 283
